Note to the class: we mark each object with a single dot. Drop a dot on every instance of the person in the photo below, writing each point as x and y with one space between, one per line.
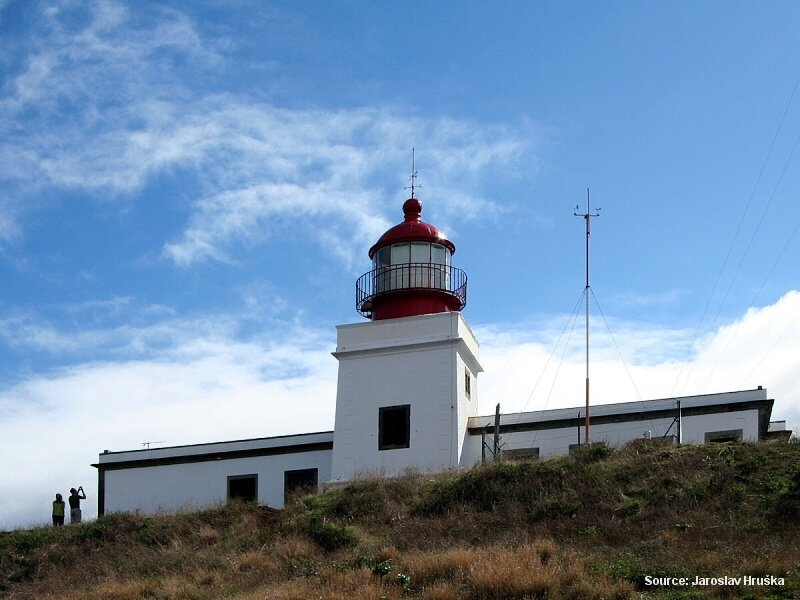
75 497
58 511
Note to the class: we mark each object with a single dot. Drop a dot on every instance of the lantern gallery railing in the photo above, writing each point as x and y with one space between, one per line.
410 276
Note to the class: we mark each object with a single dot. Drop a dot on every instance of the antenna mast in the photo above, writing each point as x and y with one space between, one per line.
587 216
413 177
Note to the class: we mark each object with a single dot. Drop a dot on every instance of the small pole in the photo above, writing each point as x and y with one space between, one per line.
579 428
497 431
679 428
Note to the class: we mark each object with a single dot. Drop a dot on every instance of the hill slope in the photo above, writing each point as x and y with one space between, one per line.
598 524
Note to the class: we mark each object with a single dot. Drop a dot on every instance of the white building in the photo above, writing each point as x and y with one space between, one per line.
406 401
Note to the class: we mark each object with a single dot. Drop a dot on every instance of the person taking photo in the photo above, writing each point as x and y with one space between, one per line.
75 497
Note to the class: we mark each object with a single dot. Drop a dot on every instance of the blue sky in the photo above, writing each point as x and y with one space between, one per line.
188 191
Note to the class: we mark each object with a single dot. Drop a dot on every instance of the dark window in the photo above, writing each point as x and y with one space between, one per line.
521 453
394 427
731 435
300 481
383 257
467 383
243 487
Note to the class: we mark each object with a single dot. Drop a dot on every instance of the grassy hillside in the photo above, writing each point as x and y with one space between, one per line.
598 524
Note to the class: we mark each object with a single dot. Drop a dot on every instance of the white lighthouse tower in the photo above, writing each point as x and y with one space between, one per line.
408 377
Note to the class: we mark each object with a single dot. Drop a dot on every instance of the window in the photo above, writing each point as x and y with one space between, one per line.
421 257
382 260
411 265
521 453
299 482
438 254
399 275
731 435
243 487
420 252
383 256
401 254
414 252
440 257
394 427
467 383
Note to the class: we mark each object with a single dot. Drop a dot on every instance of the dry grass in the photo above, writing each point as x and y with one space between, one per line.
428 568
536 570
582 527
293 547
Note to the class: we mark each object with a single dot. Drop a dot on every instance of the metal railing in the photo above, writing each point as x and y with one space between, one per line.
409 276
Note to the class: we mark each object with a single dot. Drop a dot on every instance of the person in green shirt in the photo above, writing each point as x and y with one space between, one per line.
58 511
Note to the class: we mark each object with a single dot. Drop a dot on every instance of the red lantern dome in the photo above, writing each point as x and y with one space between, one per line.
411 272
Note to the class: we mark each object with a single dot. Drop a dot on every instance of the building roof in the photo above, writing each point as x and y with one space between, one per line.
283 444
624 411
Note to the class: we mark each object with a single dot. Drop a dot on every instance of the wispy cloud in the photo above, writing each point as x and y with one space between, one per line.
89 82
110 105
298 165
121 329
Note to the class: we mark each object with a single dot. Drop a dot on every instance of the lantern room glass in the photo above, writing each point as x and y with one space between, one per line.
427 266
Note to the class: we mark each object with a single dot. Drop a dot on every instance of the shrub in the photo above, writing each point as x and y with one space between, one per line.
486 489
153 532
25 541
629 506
787 504
332 537
592 453
555 507
355 500
95 530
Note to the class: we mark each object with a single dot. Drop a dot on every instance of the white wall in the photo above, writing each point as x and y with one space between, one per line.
416 361
467 406
552 442
170 488
695 427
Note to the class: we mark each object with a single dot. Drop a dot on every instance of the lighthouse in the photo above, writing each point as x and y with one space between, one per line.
407 380
406 401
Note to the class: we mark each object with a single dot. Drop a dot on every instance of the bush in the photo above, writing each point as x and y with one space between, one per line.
484 489
333 537
25 541
592 453
788 503
153 532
